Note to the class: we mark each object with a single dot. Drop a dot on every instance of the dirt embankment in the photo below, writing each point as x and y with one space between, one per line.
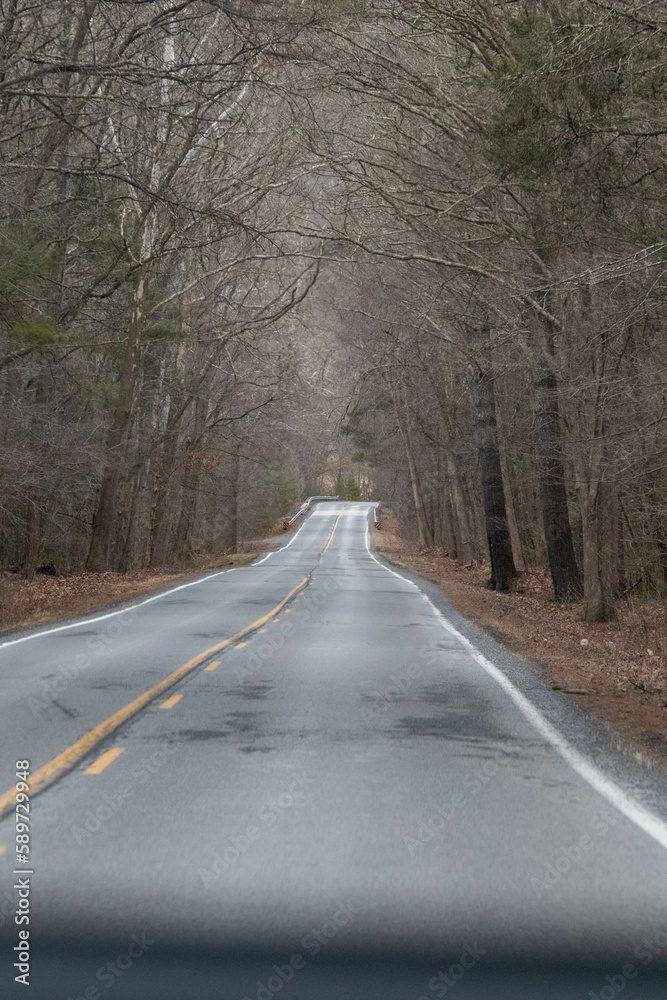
616 670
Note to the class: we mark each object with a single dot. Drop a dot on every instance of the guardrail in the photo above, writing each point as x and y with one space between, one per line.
302 510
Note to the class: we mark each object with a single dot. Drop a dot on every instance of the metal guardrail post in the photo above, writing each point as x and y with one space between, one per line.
287 523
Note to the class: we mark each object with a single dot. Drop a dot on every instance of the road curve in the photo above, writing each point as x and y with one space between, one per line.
342 778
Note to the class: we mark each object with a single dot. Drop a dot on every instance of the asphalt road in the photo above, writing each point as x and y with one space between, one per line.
355 802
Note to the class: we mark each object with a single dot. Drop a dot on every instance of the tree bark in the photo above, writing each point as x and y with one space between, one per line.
598 572
565 573
608 541
465 545
233 523
34 517
512 521
447 521
455 510
184 538
133 555
99 552
495 510
162 514
163 500
423 529
33 540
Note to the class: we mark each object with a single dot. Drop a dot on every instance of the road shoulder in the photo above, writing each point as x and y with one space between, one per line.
620 701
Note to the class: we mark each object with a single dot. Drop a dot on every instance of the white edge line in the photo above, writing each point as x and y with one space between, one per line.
120 611
149 600
282 547
645 820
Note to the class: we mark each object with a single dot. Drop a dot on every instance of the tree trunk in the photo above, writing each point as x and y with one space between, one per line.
133 555
461 522
512 523
608 542
598 571
495 511
184 539
163 500
33 540
32 549
103 521
423 529
447 522
565 573
233 524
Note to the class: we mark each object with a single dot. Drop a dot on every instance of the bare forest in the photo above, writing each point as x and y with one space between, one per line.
411 251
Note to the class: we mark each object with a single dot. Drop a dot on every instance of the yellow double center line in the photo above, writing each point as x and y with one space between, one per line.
68 758
332 533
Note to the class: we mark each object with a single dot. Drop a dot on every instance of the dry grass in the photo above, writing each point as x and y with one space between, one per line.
618 670
46 599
